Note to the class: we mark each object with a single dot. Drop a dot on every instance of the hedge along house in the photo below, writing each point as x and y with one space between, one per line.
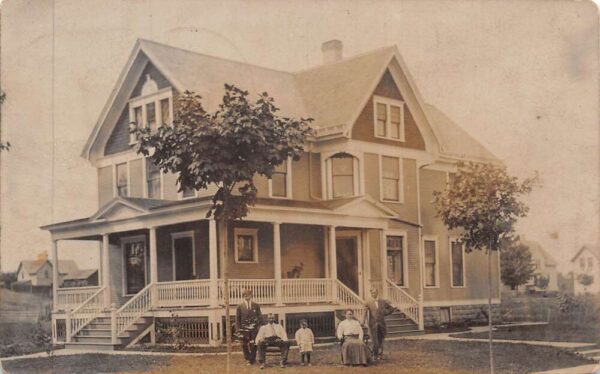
353 213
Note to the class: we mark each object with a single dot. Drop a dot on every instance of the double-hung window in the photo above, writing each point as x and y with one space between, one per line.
342 172
395 259
391 187
457 257
389 118
280 183
246 245
430 263
153 180
122 179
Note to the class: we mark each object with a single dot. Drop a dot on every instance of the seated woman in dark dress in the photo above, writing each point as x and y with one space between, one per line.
354 349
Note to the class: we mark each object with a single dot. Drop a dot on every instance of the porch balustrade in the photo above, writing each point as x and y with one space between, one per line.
403 301
263 290
306 290
72 297
183 293
87 311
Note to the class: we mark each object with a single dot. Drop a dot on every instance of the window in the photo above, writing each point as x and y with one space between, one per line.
246 245
152 108
395 259
390 179
342 171
134 272
153 176
389 118
188 192
280 184
431 277
458 263
122 179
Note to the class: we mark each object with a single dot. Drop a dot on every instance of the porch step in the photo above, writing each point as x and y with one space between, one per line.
88 346
398 324
91 339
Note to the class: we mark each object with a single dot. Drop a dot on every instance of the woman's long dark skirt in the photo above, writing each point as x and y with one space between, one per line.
355 352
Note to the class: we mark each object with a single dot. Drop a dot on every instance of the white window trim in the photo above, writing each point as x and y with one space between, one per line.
181 197
288 182
132 239
246 231
453 239
145 181
179 235
147 99
404 235
357 181
400 180
388 124
432 238
115 177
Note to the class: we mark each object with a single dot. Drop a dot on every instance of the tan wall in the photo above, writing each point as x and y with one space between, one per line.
303 244
105 185
40 279
136 176
364 126
475 262
170 187
264 268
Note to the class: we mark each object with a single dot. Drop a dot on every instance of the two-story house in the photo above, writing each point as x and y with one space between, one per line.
35 276
353 213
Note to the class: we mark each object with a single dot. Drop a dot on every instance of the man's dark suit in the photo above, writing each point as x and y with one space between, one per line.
376 312
248 319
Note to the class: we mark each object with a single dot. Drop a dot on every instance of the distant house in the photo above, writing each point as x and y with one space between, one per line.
36 276
545 265
81 278
586 261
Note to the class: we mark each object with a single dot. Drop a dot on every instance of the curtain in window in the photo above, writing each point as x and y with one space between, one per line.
395 260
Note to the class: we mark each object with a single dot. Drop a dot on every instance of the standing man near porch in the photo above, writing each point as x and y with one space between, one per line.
247 321
377 309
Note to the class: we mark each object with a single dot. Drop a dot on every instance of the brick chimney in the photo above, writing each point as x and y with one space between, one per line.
332 51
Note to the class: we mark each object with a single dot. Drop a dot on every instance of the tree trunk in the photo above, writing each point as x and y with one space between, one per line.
225 274
490 307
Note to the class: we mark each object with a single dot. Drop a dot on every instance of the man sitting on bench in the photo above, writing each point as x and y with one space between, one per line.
272 335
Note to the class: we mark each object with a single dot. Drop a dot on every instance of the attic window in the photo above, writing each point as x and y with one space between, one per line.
388 118
153 108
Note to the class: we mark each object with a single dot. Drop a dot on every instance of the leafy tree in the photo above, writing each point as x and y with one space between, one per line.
482 202
585 280
7 278
516 265
541 281
227 148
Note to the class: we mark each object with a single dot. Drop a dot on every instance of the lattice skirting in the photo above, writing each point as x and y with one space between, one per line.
192 330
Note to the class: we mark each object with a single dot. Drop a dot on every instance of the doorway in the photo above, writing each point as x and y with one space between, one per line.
349 260
184 256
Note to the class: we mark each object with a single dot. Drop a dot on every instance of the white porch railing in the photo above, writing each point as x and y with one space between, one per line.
132 310
349 300
263 290
403 301
306 290
85 313
72 297
377 284
183 293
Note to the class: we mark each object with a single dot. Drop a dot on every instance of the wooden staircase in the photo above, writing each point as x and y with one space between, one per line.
398 324
96 335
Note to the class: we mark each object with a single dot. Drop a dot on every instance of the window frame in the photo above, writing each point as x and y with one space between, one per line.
288 182
356 173
116 178
146 193
143 101
404 235
388 102
124 241
451 240
434 239
181 235
238 231
400 180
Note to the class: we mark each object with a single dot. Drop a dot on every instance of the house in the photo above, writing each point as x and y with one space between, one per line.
35 276
353 213
81 278
544 264
586 262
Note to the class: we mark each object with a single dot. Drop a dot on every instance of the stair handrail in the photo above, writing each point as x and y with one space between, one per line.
85 313
133 309
404 301
345 296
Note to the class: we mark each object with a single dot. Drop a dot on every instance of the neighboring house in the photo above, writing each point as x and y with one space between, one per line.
545 265
586 261
353 213
81 278
36 276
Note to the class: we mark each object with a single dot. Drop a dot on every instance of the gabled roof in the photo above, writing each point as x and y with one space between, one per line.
80 274
136 204
593 249
536 247
31 267
333 94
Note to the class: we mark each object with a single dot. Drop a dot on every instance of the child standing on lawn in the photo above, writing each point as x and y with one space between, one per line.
305 340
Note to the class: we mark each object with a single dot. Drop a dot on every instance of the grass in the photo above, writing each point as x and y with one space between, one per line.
556 332
16 337
402 357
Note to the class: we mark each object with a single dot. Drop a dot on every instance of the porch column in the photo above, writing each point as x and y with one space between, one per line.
153 266
277 262
55 279
213 263
383 262
99 263
106 269
332 262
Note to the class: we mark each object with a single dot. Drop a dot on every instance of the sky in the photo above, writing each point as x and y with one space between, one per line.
520 76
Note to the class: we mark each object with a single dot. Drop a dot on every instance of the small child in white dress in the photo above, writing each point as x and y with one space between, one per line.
305 340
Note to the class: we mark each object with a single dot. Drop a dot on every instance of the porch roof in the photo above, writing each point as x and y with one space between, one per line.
152 213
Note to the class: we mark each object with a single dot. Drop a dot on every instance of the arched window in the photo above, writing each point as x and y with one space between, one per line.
343 176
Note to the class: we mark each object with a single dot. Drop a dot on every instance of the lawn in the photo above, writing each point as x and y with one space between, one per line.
403 357
17 338
551 332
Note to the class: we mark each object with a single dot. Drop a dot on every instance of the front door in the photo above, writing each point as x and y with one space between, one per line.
183 257
348 261
134 250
